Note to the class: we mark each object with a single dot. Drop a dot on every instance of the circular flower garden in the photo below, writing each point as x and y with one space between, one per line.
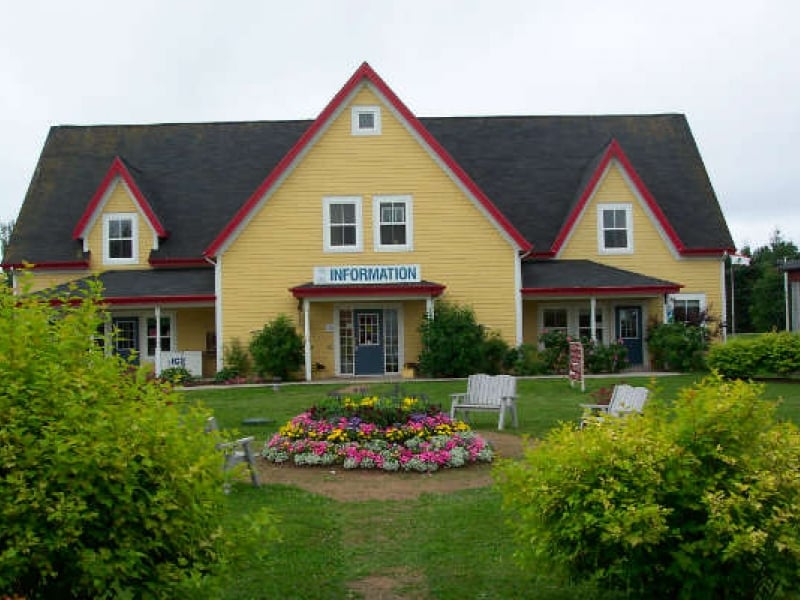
406 434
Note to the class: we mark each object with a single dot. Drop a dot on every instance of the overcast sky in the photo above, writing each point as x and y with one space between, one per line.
731 67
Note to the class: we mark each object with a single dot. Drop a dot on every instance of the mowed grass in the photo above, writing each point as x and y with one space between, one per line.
442 546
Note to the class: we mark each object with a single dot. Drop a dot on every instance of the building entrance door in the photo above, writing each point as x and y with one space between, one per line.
368 332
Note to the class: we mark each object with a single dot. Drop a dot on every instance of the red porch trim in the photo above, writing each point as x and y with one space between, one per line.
337 291
124 300
179 262
56 264
602 291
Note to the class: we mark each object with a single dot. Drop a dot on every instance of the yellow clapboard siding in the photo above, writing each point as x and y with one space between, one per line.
453 241
192 325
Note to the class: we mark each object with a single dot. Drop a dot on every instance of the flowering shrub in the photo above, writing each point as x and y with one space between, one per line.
376 433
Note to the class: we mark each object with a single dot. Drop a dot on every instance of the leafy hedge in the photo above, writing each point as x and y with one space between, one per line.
771 354
697 500
108 488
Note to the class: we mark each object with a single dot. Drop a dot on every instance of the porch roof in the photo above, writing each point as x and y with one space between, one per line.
417 289
588 278
151 286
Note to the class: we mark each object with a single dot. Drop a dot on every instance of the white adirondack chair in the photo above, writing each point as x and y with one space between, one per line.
488 393
236 452
625 399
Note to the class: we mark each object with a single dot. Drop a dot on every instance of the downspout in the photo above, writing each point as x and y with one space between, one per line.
219 349
518 297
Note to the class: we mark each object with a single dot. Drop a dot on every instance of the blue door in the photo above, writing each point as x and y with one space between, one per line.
629 330
126 338
368 331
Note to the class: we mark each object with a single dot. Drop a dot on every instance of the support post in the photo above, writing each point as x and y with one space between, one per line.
158 340
307 336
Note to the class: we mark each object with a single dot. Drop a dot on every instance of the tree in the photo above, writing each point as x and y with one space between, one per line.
452 342
110 488
277 349
6 227
759 293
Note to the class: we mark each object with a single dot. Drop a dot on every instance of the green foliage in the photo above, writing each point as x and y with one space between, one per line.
6 227
678 346
109 488
452 342
597 358
526 360
497 354
176 375
237 360
770 354
555 350
700 499
277 349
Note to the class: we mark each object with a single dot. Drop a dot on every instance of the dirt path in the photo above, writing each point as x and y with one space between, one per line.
357 485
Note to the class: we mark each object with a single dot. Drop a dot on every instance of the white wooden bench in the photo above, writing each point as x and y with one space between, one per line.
625 399
488 393
236 452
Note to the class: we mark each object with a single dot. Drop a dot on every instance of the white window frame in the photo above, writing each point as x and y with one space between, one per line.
573 311
355 120
327 202
409 223
145 337
134 258
671 298
601 239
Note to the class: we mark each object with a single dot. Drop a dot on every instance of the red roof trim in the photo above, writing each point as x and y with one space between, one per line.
118 169
160 299
179 262
602 291
65 264
709 251
615 151
363 72
337 291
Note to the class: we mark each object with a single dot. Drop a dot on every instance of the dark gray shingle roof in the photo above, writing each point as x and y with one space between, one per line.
162 283
583 274
196 176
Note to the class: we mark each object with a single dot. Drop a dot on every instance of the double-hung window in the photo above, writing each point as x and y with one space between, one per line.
120 238
393 223
615 228
686 308
342 224
164 332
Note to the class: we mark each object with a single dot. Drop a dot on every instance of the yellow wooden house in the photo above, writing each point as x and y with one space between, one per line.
356 222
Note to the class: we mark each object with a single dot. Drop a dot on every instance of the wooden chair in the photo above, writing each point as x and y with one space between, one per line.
488 393
625 399
236 452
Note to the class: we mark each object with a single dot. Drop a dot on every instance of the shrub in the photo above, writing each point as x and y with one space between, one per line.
678 346
277 349
237 360
602 358
747 357
555 350
109 487
452 342
496 354
176 375
697 500
526 360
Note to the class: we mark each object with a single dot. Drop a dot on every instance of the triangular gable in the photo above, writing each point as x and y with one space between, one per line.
614 152
364 72
117 170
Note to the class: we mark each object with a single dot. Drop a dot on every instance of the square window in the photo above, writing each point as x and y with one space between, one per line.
365 120
342 224
393 223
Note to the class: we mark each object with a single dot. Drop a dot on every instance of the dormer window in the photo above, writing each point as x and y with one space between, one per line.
366 120
120 239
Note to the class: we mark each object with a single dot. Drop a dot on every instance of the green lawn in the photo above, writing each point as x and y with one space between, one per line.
440 546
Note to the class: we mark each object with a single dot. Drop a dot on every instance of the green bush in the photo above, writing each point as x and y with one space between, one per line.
176 375
452 342
277 349
770 354
700 499
237 360
678 346
497 355
109 488
602 358
526 360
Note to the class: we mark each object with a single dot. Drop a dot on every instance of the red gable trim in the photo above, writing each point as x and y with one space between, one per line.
118 169
614 151
364 72
602 291
330 291
66 265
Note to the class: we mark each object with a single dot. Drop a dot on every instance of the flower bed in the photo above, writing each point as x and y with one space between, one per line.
378 433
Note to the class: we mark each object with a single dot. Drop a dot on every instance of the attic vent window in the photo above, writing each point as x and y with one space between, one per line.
366 120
